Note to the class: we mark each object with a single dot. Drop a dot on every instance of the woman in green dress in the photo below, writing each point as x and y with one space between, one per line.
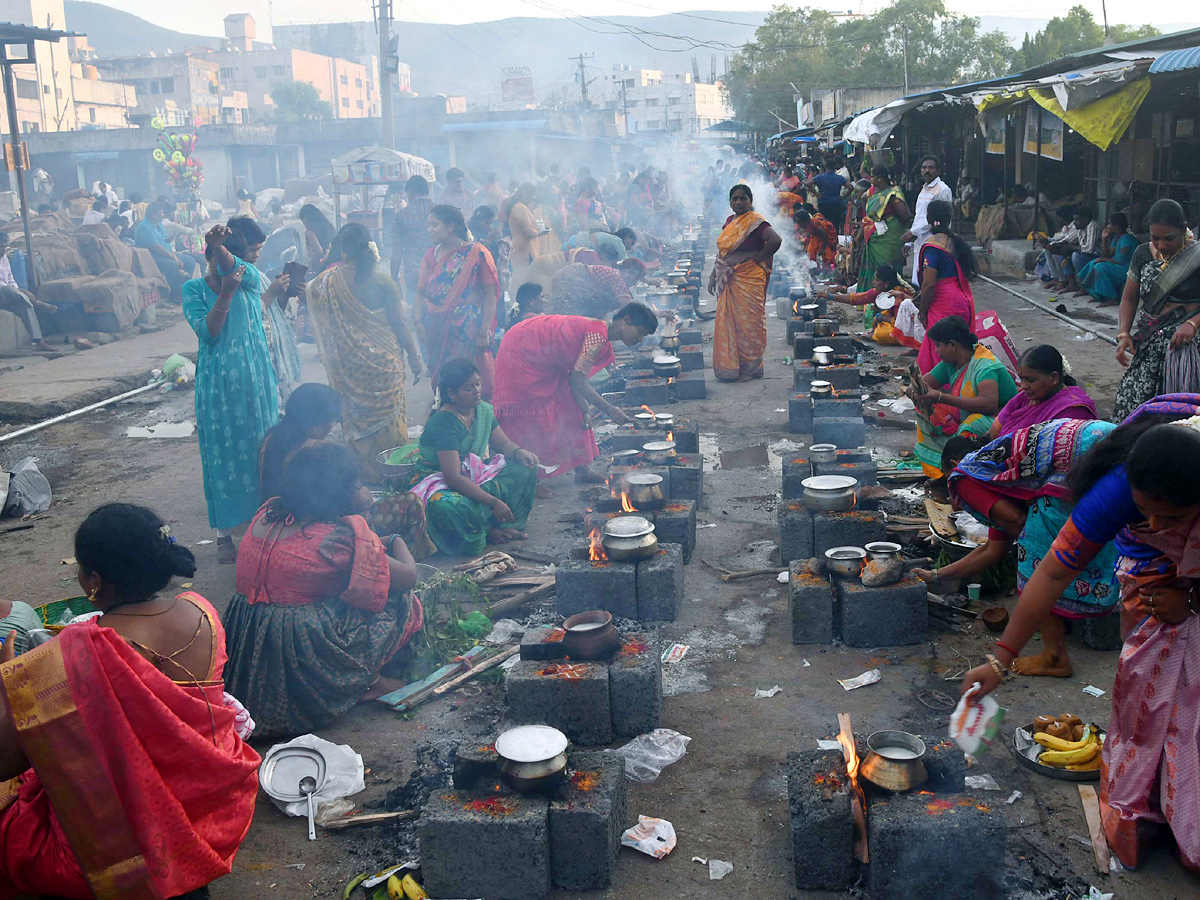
883 226
470 499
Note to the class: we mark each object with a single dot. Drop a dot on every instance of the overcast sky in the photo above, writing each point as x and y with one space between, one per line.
205 18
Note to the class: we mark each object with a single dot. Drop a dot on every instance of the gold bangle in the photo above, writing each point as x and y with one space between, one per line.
1124 334
1002 673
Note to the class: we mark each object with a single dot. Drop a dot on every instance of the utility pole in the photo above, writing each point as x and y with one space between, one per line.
384 22
905 62
583 80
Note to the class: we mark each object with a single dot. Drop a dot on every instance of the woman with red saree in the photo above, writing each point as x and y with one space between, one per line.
457 289
818 235
947 265
1139 487
129 779
542 394
739 279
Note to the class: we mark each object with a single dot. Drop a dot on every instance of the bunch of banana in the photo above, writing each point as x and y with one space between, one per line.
405 888
1076 756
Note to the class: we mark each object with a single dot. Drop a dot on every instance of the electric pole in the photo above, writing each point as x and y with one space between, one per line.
384 21
905 62
583 80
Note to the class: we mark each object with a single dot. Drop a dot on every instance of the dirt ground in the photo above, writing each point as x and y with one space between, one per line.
727 796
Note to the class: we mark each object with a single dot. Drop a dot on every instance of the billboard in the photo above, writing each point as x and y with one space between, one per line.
516 84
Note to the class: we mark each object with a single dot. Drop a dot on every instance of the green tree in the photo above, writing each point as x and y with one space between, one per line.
1077 31
297 101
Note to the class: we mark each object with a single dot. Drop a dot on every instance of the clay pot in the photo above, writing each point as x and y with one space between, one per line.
590 635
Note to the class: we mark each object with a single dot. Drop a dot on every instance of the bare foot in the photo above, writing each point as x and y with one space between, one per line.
515 534
499 536
43 347
226 552
1080 294
543 491
380 687
1046 664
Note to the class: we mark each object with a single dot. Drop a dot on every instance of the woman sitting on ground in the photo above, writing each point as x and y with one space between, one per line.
1047 391
960 395
947 265
470 498
130 778
322 603
1140 487
1104 277
887 285
309 416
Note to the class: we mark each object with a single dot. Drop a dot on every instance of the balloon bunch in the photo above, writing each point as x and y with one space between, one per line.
184 173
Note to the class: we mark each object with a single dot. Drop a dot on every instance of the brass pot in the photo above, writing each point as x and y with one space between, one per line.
822 356
645 489
894 761
629 539
532 757
659 451
669 342
823 327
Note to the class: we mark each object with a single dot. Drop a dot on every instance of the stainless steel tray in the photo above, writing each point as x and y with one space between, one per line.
280 772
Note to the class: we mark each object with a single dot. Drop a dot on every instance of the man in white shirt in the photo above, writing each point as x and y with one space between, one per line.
98 213
933 188
18 302
108 193
456 194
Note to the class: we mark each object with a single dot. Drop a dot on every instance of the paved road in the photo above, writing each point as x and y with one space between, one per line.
727 796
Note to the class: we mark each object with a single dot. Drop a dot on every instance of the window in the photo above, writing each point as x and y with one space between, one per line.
652 101
358 82
360 104
278 70
260 71
92 113
31 127
27 90
45 88
344 80
345 101
226 71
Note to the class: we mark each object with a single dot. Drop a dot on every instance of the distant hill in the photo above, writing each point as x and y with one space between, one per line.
116 33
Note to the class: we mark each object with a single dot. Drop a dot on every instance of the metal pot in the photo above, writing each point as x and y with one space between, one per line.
532 757
667 366
845 561
820 389
659 451
644 420
677 278
645 489
797 293
830 493
664 421
822 356
590 635
822 453
894 761
823 327
808 311
629 539
882 550
669 342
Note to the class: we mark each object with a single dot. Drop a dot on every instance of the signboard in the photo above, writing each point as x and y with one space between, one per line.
1043 133
516 84
997 132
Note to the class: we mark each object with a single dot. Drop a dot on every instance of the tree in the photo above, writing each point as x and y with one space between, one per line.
1077 31
298 101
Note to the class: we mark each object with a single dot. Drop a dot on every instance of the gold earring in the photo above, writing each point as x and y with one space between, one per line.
92 593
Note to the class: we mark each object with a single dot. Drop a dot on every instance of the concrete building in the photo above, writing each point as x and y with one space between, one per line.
357 41
179 88
100 104
651 102
821 105
43 90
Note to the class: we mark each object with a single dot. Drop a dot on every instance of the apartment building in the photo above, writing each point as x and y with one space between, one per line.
650 101
179 88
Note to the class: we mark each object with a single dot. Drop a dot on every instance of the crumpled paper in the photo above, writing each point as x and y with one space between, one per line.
654 837
718 869
760 694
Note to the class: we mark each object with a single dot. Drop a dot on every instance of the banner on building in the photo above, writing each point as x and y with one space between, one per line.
997 130
1043 133
516 84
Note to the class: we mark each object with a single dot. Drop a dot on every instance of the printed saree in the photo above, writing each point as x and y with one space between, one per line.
883 244
821 240
944 421
140 788
740 329
452 288
951 297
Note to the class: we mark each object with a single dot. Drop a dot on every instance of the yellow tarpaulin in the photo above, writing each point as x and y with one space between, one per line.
1101 122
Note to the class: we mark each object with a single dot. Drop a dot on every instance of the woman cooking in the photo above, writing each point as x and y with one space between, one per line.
471 499
457 296
746 247
1164 284
1047 392
960 395
946 266
1140 487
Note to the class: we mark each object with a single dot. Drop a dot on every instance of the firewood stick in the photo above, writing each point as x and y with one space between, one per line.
1091 812
521 599
857 800
716 568
475 670
751 573
400 815
530 556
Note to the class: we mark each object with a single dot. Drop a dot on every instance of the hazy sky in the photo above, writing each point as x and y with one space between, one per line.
205 18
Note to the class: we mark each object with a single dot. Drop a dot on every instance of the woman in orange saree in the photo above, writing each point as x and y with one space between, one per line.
739 279
129 776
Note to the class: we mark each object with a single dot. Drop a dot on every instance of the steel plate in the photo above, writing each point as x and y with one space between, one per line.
531 743
281 771
628 527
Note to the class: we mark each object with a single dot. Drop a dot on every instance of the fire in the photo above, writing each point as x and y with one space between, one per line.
670 381
596 547
626 506
850 754
671 436
647 409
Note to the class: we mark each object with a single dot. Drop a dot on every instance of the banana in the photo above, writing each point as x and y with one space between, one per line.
1090 766
412 890
395 888
1051 742
1071 757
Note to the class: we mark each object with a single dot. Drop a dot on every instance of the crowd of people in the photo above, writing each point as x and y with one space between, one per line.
1081 514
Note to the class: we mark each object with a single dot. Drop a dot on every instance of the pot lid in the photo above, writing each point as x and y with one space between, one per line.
531 743
666 360
845 553
660 446
628 527
829 483
644 479
882 547
811 306
624 454
664 417
644 417
885 301
821 448
822 349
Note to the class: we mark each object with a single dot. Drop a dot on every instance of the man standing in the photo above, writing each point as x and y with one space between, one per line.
456 194
932 188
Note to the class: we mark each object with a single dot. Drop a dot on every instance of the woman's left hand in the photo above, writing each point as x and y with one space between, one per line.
526 458
1167 604
1184 334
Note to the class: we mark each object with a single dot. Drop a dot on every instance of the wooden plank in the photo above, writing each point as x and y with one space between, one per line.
412 694
1091 811
521 599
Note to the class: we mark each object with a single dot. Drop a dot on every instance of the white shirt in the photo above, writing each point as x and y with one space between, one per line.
93 217
935 190
6 274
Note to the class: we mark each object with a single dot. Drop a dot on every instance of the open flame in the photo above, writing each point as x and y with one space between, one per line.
596 547
858 799
671 436
647 409
626 506
671 380
850 754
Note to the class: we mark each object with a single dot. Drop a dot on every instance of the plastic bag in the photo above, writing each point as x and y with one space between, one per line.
648 754
654 837
975 722
505 631
28 490
343 773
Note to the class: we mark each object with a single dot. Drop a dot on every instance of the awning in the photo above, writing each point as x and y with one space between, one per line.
1101 122
875 125
495 125
1176 61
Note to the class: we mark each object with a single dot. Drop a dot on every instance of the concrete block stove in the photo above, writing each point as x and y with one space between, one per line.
648 591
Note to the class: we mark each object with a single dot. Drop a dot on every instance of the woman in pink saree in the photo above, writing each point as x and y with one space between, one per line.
1140 488
947 266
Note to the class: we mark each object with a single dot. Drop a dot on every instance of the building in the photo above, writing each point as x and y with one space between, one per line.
821 105
357 41
651 102
349 87
181 89
44 89
100 104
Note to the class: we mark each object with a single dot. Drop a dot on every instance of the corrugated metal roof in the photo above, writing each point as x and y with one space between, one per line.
495 125
1176 61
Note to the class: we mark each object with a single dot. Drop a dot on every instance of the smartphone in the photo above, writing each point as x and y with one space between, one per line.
296 274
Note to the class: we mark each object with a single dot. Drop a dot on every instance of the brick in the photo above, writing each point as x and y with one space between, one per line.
628 440
1101 632
691 386
795 532
842 344
572 697
794 472
853 455
864 472
540 644
848 407
635 687
581 585
691 357
783 307
810 605
585 822
845 431
660 585
883 616
800 414
467 853
946 764
935 848
648 391
822 828
687 477
474 763
689 336
795 326
687 437
854 528
842 377
675 523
